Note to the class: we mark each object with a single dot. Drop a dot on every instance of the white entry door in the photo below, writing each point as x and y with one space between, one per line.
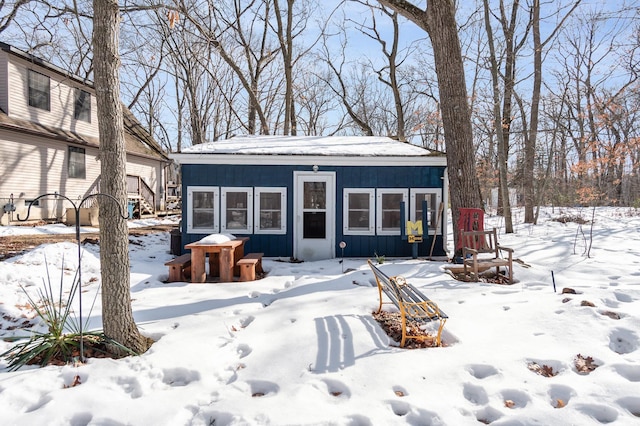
314 212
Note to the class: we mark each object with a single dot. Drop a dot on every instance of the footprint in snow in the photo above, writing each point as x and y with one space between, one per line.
482 371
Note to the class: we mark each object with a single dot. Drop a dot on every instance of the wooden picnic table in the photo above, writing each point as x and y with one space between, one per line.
223 257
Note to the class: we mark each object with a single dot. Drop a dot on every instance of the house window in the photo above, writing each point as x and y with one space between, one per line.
358 211
39 93
388 210
270 210
82 106
433 198
203 205
76 167
237 210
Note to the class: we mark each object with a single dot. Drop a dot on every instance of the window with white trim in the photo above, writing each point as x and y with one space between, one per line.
358 211
39 90
203 206
270 206
434 198
76 166
388 220
236 214
82 105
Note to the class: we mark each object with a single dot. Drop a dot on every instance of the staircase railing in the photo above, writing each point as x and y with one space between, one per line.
136 185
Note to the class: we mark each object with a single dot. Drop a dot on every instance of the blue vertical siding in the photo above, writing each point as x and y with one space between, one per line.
346 177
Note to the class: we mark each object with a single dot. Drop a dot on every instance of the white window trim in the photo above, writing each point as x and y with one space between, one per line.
283 210
223 209
345 211
405 196
438 193
216 209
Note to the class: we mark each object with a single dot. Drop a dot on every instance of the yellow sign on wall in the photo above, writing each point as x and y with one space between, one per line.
414 227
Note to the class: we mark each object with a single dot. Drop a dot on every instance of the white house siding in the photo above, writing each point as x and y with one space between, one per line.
151 171
62 99
3 81
32 166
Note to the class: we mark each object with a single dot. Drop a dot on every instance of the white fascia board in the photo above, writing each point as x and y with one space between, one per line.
308 160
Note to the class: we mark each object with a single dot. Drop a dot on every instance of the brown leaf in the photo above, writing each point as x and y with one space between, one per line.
560 403
76 381
543 370
509 403
584 365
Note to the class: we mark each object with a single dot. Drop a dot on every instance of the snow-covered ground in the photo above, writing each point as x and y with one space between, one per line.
300 346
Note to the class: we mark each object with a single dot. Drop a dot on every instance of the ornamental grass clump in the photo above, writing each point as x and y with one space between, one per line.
64 339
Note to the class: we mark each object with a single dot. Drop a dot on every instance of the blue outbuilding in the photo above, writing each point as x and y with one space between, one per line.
301 197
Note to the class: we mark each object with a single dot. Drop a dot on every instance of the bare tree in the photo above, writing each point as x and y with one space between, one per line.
117 316
531 136
9 11
388 74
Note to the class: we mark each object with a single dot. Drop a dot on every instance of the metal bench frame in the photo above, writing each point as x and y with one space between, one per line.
412 304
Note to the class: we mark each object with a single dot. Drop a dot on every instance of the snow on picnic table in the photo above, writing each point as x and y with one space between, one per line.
300 346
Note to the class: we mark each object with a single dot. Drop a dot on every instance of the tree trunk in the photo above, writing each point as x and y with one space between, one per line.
438 20
117 316
530 142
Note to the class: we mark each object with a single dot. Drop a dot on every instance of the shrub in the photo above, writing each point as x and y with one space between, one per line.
64 338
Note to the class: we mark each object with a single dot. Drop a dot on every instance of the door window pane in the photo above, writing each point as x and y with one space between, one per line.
315 195
314 225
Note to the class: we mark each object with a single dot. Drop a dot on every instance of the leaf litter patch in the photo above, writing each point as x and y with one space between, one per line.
391 323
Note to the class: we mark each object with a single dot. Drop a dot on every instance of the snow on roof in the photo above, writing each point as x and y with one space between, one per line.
310 145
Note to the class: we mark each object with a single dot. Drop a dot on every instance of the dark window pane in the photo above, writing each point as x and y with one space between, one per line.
358 201
76 167
270 210
358 220
82 109
203 219
358 211
236 210
39 92
391 211
314 225
203 200
315 195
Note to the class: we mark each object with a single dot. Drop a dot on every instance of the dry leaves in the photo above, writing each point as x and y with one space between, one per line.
391 323
76 382
543 370
584 365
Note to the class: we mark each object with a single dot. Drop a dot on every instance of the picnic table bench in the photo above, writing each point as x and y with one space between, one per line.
250 265
412 304
180 268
